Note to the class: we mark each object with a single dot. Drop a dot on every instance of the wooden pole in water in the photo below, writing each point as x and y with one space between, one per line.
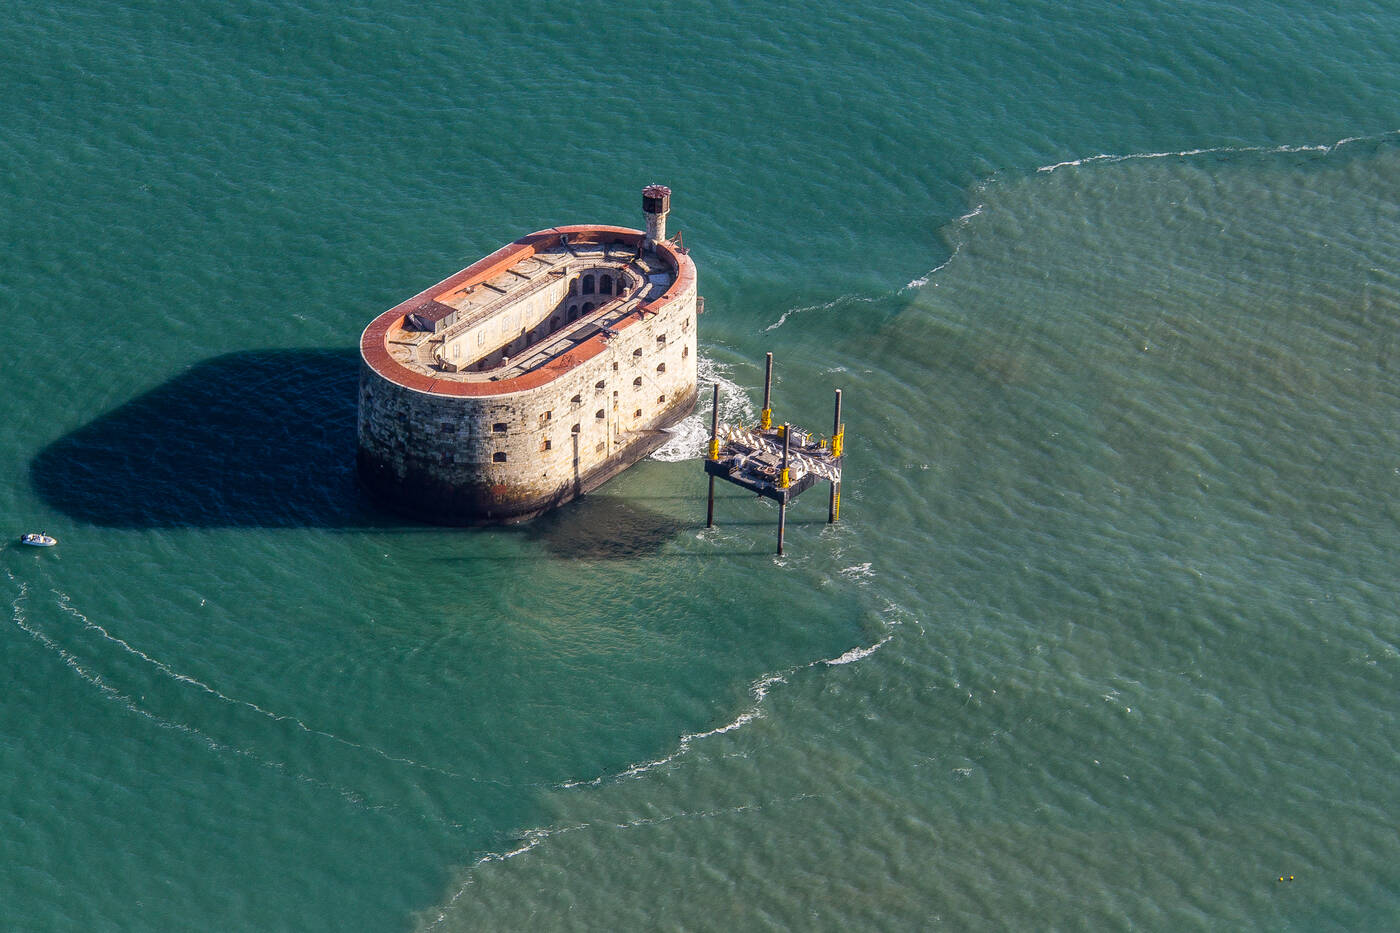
833 511
783 485
713 455
766 417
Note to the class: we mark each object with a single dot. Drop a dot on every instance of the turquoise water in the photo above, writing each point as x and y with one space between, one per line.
1107 636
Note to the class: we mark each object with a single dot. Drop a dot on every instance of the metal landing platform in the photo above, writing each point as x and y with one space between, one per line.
776 462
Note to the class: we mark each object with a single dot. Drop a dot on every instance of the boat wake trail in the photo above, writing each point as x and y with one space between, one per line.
66 605
19 618
134 702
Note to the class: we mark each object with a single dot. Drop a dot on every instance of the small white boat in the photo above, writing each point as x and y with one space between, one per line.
34 539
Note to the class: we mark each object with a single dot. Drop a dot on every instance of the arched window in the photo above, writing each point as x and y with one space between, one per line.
661 340
605 284
587 306
577 399
661 400
573 287
661 367
685 351
588 284
601 414
574 429
553 323
637 352
573 312
637 413
637 383
499 457
600 385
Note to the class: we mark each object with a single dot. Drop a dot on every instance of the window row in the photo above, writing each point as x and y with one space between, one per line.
548 444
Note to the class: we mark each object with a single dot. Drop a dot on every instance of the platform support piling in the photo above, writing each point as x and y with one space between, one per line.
833 511
766 417
783 484
713 455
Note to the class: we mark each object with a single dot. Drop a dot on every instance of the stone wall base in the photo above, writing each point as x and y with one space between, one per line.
430 499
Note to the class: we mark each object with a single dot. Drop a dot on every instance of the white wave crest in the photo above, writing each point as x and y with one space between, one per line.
824 306
1214 150
688 437
857 654
959 224
758 690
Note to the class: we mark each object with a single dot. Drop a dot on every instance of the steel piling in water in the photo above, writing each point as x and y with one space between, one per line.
833 511
714 455
783 484
766 417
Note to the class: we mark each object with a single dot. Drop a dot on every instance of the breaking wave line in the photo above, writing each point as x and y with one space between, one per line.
960 224
758 690
1216 150
536 837
688 437
824 306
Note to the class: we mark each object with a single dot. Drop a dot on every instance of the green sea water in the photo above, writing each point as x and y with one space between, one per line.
1107 636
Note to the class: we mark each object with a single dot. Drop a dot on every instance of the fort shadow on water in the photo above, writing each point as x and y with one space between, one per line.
266 439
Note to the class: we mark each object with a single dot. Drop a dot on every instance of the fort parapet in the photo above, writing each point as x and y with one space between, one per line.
531 376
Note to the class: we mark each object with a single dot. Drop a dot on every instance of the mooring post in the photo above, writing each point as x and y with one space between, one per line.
765 420
833 511
783 484
714 455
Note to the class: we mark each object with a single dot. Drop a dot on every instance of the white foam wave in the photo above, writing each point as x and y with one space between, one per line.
1214 150
857 654
824 306
960 223
688 437
529 840
758 690
535 837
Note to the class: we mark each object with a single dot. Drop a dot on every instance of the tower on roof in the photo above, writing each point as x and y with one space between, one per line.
656 204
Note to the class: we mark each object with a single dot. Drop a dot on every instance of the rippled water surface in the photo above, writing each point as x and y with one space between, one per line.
1107 636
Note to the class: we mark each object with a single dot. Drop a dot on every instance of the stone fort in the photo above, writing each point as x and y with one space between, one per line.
533 375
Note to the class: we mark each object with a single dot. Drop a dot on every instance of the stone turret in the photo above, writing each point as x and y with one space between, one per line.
656 204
